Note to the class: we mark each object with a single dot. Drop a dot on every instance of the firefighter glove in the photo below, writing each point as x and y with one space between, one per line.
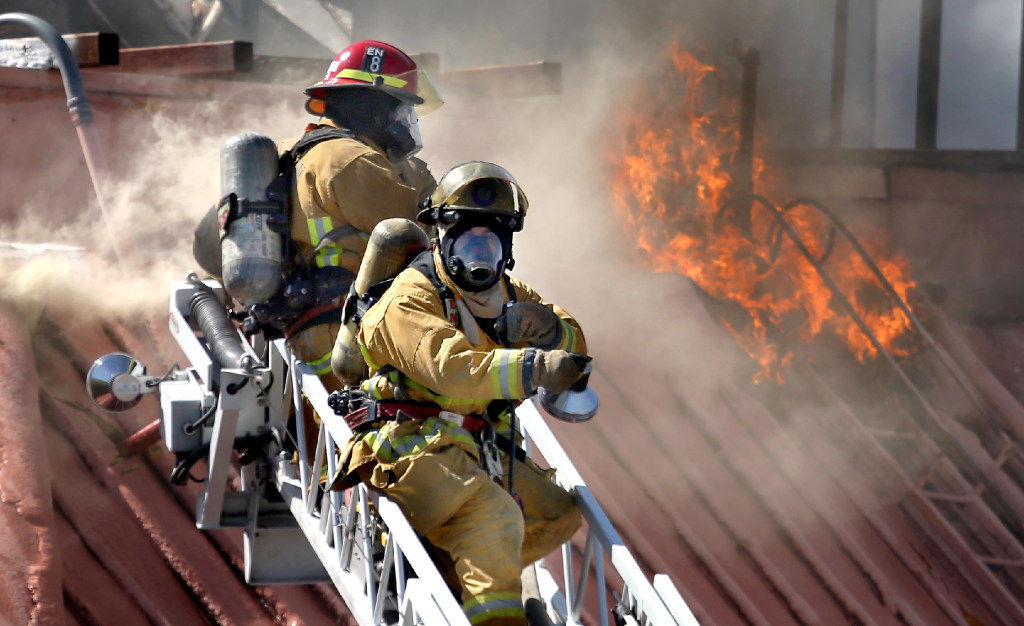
556 370
531 324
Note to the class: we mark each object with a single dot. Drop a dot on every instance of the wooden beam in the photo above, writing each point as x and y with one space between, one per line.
90 50
509 81
102 81
221 57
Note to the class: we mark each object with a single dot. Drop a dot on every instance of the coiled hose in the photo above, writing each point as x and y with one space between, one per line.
221 336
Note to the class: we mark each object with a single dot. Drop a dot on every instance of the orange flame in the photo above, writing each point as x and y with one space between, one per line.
672 178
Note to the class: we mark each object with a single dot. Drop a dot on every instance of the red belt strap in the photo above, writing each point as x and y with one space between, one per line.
310 314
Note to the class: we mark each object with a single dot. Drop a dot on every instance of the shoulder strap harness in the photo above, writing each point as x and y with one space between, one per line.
277 205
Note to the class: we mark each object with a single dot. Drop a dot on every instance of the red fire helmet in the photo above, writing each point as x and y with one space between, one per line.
379 65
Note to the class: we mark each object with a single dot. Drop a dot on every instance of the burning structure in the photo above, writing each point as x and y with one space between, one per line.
682 187
853 482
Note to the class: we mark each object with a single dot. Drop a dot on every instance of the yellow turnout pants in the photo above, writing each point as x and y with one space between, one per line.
451 501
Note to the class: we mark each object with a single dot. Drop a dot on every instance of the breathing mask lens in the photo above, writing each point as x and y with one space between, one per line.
403 130
478 256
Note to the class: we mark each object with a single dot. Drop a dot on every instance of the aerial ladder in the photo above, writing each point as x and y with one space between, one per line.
298 532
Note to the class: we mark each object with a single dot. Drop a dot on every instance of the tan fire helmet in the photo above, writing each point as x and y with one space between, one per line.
476 188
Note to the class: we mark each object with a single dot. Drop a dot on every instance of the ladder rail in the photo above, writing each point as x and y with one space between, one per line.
645 599
346 530
358 534
650 606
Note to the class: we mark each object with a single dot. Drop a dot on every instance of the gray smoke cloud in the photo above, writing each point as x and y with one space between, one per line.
161 174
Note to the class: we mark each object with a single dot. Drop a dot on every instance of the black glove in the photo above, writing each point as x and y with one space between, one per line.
531 324
557 370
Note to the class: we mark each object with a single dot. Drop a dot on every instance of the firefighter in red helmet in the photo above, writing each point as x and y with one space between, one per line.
354 167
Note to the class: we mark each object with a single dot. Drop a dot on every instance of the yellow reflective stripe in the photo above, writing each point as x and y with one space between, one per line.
516 375
460 435
506 376
381 446
371 387
390 81
313 226
367 358
321 365
390 450
569 337
427 434
490 605
495 373
330 255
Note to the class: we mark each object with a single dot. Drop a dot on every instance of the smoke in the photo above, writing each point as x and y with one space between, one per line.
160 177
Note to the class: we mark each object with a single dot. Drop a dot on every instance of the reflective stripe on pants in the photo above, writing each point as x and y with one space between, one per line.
451 501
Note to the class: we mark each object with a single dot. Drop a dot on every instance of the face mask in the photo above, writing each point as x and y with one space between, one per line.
474 258
403 131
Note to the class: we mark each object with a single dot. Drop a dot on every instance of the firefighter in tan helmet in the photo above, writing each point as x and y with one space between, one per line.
354 168
455 344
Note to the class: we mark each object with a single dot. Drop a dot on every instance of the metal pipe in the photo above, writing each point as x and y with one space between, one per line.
78 103
887 286
743 166
842 28
927 121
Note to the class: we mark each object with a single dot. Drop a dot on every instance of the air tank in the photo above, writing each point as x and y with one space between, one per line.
251 248
393 244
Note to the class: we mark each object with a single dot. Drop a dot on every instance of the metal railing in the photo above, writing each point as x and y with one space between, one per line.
348 533
366 546
340 529
650 605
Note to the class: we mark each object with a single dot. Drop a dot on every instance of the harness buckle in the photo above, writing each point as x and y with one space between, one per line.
490 456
